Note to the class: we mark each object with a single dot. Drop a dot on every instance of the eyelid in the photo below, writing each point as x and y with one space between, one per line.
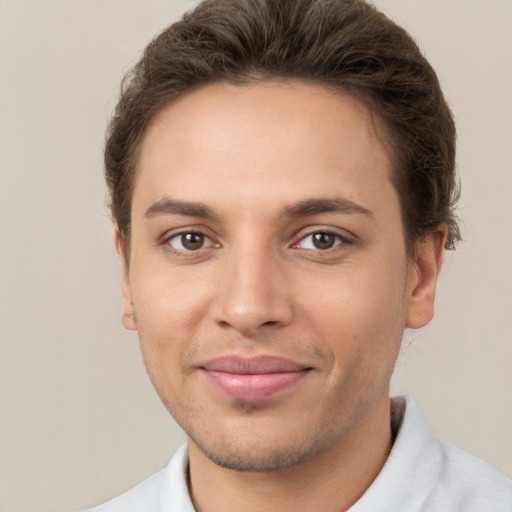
170 235
344 236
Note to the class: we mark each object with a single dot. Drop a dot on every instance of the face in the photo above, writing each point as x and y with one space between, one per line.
268 277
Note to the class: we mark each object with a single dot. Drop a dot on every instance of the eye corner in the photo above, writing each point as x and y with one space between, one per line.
188 242
321 240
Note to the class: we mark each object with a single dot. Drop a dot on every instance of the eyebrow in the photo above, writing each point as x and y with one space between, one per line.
307 207
315 206
167 206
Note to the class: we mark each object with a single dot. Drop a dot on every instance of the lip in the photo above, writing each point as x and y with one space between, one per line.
252 379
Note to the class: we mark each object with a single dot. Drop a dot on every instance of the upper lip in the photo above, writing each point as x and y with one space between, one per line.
252 365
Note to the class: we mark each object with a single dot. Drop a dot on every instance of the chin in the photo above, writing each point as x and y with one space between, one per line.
255 460
250 452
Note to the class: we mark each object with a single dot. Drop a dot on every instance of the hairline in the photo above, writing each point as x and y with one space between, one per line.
382 131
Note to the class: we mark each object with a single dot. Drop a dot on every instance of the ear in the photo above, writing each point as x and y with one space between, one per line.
126 291
423 274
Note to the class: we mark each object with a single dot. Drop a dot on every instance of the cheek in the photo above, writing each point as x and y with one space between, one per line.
165 301
361 315
167 313
362 299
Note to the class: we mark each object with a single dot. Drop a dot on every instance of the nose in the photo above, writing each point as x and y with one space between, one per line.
253 293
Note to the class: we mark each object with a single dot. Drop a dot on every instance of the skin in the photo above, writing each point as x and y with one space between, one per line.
235 166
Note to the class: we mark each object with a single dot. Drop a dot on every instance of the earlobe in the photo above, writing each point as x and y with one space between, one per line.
126 293
423 276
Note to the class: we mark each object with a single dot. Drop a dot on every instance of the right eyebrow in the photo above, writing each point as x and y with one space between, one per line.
325 205
168 206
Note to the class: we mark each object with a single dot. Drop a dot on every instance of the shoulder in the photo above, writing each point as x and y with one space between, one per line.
450 478
423 473
469 483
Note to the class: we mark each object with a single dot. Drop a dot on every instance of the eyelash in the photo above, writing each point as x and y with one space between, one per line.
184 251
340 240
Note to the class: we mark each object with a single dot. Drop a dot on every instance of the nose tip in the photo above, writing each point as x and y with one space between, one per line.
247 320
253 297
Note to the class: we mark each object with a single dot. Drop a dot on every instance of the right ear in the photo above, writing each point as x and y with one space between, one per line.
126 289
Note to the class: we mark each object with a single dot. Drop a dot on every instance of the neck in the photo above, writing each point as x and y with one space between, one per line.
331 482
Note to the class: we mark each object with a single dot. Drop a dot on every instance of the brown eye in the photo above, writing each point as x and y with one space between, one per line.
191 241
320 240
323 240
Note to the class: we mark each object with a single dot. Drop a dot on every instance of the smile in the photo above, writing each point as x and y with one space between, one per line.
252 379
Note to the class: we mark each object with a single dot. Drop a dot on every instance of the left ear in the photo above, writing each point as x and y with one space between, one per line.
423 274
126 293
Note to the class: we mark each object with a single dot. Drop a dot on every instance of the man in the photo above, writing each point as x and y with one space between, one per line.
282 188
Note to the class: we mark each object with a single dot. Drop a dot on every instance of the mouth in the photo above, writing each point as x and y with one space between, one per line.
252 379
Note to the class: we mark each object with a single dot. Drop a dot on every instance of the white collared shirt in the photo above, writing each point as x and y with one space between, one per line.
421 474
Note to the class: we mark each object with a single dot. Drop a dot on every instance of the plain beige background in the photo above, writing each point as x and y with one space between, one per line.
79 421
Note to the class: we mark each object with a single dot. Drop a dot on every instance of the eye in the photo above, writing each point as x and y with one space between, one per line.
189 241
320 240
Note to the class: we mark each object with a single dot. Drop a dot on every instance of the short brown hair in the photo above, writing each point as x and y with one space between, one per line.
343 44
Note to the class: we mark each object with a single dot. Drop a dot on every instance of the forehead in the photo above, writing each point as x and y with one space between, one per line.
290 135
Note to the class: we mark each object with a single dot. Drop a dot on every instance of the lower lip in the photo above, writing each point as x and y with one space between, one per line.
253 388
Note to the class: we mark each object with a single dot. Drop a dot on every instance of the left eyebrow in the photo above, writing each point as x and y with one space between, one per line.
167 206
324 205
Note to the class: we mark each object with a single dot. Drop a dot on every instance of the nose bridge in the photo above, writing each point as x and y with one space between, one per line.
252 292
